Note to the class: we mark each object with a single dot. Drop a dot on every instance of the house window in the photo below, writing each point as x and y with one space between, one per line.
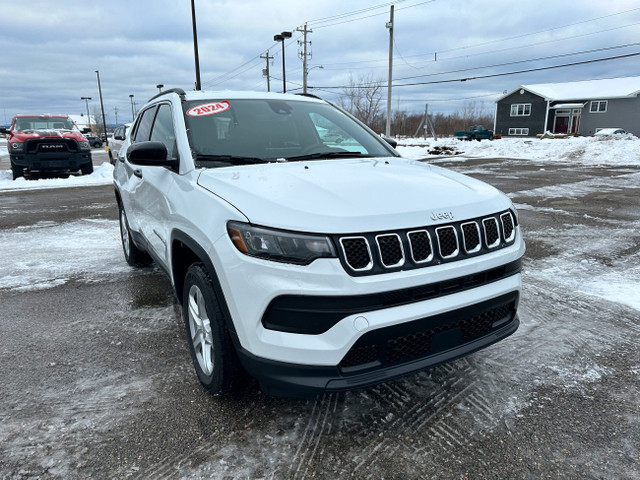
518 131
598 106
520 109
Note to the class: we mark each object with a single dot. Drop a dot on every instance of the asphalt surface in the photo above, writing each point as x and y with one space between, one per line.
96 379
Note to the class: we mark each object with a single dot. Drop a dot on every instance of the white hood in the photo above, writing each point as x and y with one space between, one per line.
351 196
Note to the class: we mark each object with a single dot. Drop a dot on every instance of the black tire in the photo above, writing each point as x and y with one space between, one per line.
132 254
210 344
491 137
87 168
17 171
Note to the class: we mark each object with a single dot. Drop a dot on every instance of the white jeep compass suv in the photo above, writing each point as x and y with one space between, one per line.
304 249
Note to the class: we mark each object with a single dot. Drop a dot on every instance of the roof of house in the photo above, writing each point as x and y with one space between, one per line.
584 90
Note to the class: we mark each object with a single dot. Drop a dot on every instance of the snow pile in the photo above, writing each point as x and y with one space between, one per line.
102 175
604 150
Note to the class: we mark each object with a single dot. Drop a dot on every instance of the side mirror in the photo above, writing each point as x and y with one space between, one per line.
150 154
86 130
4 130
390 141
118 137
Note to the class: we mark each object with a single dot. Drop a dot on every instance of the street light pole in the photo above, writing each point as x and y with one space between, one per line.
86 100
133 113
306 75
195 45
280 38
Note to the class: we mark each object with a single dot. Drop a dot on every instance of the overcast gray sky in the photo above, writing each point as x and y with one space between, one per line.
50 50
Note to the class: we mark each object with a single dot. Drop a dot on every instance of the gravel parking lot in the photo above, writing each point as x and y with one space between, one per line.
97 381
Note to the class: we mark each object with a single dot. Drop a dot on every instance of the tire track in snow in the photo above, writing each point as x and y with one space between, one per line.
317 425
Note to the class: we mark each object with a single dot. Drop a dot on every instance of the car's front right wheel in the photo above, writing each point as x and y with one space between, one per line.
210 343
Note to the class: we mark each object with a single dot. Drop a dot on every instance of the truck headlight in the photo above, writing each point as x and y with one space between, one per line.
279 245
16 147
84 145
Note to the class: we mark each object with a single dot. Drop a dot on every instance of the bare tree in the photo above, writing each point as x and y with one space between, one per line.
472 113
363 99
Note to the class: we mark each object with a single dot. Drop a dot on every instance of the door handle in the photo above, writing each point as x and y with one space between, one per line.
138 173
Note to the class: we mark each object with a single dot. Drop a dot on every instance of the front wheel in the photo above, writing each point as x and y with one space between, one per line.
87 168
210 344
132 254
17 171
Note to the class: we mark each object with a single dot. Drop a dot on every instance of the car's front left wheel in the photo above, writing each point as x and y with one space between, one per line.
132 254
210 343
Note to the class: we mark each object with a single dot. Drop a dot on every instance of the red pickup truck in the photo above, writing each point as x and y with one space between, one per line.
47 144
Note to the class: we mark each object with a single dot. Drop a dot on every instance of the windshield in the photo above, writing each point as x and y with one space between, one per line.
267 130
43 123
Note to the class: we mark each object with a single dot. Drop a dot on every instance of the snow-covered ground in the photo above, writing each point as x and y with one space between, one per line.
558 399
605 150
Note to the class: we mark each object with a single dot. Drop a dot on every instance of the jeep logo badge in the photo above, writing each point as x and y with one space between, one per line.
441 215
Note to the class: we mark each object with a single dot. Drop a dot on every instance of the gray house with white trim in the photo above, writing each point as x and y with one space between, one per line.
572 107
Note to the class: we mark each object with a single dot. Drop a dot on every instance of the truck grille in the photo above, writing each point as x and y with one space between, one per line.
51 145
382 252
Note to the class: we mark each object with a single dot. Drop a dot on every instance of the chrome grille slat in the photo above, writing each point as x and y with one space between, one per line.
421 246
471 237
491 233
447 242
357 253
390 250
508 228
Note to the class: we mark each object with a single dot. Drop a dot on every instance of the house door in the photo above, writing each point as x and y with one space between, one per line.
561 125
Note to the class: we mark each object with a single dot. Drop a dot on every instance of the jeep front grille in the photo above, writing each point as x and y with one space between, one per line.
381 252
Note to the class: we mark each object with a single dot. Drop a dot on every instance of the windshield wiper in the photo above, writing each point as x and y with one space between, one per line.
322 155
230 159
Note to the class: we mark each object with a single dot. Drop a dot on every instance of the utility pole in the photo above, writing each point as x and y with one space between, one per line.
304 55
86 100
133 113
266 70
390 27
104 120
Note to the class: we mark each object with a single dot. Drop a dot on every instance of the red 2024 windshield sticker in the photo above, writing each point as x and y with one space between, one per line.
208 109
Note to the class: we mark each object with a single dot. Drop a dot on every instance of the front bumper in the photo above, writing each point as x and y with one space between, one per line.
392 352
51 162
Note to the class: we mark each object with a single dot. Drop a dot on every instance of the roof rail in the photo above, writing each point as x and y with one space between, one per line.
179 91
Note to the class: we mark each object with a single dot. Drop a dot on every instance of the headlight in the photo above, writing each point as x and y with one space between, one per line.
17 147
278 245
84 146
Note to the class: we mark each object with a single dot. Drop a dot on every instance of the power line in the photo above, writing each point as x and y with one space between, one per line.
372 15
352 13
480 77
539 31
431 54
523 61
